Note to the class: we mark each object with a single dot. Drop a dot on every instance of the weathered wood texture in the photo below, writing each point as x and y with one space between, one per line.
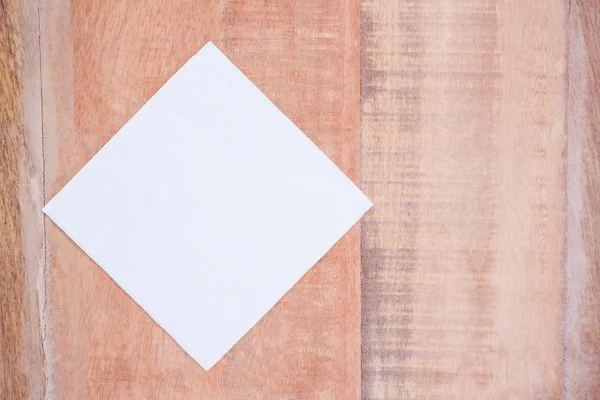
101 61
21 223
469 263
582 263
463 142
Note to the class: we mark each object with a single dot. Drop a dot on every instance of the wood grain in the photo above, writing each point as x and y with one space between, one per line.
101 62
463 143
475 285
582 262
21 227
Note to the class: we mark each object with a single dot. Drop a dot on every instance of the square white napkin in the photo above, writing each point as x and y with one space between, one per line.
207 206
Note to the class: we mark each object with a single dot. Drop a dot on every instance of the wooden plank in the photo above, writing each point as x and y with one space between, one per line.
21 225
582 263
463 141
101 62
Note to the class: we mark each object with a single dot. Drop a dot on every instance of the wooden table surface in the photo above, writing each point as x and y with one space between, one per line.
473 125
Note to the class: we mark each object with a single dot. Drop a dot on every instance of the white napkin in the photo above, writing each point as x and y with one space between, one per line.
207 206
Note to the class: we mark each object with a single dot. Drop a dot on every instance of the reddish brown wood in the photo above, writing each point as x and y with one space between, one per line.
102 61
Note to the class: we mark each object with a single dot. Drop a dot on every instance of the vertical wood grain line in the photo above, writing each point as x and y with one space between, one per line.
386 307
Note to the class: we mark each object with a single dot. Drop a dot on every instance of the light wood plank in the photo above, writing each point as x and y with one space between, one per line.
463 143
101 62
